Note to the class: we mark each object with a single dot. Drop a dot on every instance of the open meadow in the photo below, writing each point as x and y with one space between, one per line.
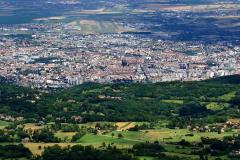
3 124
167 137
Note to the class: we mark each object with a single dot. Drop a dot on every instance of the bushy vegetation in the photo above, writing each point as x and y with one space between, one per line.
80 152
148 149
14 152
126 102
179 120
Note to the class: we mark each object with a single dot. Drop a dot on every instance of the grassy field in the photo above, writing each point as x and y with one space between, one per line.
97 140
146 158
37 148
67 136
175 101
93 124
32 126
215 106
228 97
89 139
122 126
170 135
3 124
129 138
92 26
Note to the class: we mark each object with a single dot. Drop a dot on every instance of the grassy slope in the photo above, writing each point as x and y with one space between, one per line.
3 124
131 138
139 102
119 102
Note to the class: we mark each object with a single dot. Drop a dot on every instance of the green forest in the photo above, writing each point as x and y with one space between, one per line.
122 121
213 100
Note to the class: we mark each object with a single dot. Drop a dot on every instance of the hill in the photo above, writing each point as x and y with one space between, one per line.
213 101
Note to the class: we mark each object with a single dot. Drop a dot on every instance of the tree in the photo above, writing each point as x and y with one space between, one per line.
55 152
103 145
14 152
235 100
120 135
78 136
192 109
148 149
78 152
44 135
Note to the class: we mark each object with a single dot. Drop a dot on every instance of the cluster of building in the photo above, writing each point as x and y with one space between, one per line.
228 126
51 56
8 118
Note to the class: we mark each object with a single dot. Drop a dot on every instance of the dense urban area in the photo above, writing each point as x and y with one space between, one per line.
55 58
118 44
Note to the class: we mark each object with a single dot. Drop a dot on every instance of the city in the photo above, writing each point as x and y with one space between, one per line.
117 41
54 57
